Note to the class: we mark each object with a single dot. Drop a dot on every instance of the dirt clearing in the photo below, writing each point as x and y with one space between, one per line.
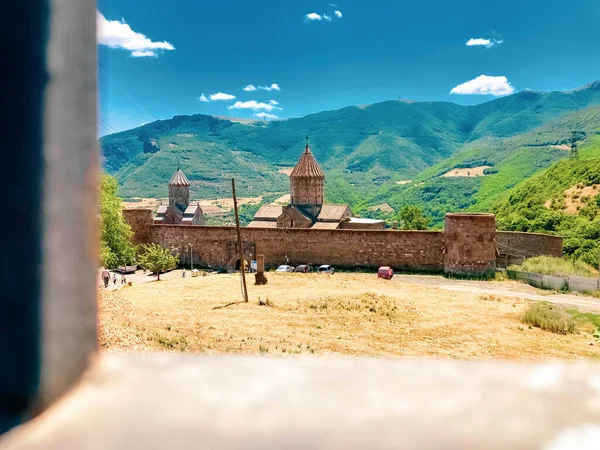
343 314
577 197
383 207
468 172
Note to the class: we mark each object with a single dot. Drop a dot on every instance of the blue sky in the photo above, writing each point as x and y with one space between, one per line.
157 58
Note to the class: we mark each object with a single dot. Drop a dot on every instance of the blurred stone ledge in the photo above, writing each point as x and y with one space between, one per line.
177 401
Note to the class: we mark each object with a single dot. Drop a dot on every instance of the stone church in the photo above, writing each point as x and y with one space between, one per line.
307 208
179 211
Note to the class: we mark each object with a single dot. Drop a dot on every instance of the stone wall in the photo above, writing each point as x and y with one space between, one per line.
362 226
529 244
140 221
470 244
216 246
467 246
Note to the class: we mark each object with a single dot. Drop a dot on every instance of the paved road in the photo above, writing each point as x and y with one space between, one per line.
506 288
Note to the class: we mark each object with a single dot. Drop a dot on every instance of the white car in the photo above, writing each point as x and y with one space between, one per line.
284 268
326 268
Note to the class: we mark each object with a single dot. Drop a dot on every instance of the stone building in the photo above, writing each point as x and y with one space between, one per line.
179 210
307 208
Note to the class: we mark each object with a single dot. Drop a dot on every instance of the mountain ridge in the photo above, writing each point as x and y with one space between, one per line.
364 151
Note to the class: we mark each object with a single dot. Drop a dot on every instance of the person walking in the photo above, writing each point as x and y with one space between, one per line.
115 279
123 279
106 277
183 274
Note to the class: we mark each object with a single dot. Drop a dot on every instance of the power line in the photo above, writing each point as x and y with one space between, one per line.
128 92
121 98
105 125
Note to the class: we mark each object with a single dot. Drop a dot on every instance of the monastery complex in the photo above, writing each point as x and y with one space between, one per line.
309 231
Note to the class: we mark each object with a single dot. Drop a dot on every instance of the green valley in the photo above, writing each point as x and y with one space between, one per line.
509 156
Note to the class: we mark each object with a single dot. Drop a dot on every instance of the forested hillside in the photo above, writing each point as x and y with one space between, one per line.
509 156
363 150
563 200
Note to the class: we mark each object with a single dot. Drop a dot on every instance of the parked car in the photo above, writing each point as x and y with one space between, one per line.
385 272
325 268
285 268
303 268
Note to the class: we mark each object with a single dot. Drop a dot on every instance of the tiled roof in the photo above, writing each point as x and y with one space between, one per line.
191 209
269 212
326 225
179 179
162 209
332 212
302 212
262 224
307 166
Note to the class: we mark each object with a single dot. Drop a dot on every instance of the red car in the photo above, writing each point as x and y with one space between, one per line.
385 272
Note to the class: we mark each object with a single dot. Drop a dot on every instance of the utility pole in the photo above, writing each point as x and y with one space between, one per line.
239 239
576 136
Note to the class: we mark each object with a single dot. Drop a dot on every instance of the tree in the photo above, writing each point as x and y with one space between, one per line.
157 259
115 240
412 218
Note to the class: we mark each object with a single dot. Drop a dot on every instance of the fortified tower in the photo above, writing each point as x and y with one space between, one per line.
470 244
179 191
306 182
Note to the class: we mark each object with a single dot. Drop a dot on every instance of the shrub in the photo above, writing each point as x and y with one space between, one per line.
559 267
547 317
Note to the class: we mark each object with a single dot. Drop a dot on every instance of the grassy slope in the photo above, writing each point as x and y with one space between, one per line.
523 208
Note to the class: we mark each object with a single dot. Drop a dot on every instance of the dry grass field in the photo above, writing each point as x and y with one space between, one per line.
347 314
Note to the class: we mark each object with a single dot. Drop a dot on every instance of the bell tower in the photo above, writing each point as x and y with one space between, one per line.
179 191
307 181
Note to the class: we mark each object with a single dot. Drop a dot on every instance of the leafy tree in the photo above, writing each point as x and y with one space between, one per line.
157 259
115 240
412 218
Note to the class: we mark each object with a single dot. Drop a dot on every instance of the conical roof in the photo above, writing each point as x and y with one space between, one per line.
307 166
179 179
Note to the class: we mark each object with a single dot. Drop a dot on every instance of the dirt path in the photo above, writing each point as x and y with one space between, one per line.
507 288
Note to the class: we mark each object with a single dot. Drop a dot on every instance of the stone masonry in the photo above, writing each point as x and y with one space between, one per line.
467 246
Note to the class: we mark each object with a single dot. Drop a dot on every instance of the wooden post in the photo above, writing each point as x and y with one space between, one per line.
239 239
260 278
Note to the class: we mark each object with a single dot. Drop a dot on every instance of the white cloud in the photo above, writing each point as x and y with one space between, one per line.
338 14
273 87
480 42
142 53
266 116
333 5
326 17
203 98
221 96
250 88
273 102
485 85
312 16
115 34
254 105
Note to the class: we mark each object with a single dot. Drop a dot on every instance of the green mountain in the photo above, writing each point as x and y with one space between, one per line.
364 150
562 199
512 160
